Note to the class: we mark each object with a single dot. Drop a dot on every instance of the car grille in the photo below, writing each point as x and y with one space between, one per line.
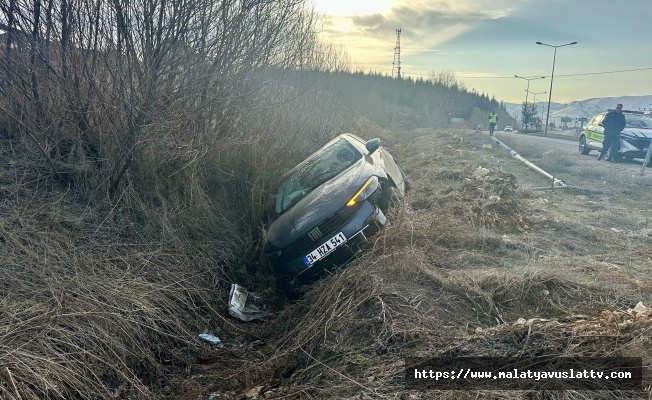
327 227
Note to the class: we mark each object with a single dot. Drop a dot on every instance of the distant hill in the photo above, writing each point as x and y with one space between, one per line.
585 108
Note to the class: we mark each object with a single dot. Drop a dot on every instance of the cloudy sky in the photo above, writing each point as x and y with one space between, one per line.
485 43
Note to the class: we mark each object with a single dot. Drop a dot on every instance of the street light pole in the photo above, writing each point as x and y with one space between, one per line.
527 91
534 103
535 96
552 76
528 83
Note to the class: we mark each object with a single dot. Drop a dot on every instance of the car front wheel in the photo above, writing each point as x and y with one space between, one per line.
584 149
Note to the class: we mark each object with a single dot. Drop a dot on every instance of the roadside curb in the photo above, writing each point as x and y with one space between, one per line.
551 135
556 183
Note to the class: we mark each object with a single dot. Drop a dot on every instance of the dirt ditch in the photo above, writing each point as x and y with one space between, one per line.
475 264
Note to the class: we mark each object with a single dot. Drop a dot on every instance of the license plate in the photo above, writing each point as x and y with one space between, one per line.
325 249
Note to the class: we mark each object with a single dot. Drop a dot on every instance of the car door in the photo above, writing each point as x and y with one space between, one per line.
594 132
392 170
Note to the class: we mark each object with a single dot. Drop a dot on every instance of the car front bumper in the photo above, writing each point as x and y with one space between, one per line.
363 223
633 147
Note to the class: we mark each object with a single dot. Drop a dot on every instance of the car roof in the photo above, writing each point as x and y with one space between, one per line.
628 111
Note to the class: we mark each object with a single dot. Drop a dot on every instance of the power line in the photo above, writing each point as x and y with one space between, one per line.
582 74
609 72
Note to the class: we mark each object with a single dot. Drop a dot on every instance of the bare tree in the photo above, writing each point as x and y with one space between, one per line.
104 78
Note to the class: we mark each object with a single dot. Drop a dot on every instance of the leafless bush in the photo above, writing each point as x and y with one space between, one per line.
86 316
169 122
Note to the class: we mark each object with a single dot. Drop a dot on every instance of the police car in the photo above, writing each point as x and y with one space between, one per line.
634 139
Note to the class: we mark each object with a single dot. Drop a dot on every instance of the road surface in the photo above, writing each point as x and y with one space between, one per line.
525 144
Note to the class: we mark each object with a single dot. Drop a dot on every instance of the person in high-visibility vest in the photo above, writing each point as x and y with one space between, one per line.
493 119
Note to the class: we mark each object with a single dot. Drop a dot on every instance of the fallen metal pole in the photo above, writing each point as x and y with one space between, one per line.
647 157
555 182
555 187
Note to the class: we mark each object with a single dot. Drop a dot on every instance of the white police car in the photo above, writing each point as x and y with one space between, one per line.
634 139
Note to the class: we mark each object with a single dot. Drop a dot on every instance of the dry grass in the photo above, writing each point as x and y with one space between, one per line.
89 316
85 315
451 276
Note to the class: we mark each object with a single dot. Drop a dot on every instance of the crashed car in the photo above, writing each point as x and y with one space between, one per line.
330 204
634 139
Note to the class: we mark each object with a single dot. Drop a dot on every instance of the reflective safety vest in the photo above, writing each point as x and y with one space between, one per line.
493 118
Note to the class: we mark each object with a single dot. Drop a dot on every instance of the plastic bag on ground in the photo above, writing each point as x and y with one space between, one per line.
241 305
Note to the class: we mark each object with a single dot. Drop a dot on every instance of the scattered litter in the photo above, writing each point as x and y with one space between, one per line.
540 200
616 230
254 393
625 325
486 146
522 321
241 306
640 310
480 173
208 338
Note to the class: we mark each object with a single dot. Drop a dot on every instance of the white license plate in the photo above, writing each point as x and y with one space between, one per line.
325 249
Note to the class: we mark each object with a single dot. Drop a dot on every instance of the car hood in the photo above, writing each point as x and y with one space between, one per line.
636 133
321 202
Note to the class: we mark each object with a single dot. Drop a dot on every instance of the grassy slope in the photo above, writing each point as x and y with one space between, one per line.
452 276
93 306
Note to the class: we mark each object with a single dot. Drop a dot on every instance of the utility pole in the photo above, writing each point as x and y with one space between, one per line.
397 55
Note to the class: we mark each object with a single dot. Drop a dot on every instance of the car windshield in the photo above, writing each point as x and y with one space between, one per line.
322 166
638 121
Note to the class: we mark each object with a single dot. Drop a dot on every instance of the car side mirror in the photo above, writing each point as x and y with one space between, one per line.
372 145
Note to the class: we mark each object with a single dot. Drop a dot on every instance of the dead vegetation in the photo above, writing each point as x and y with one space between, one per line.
468 268
474 265
135 179
461 275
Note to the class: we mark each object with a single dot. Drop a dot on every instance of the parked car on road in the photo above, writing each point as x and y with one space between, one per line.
508 129
634 139
330 204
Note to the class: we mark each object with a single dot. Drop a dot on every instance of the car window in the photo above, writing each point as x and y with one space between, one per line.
638 121
597 119
320 167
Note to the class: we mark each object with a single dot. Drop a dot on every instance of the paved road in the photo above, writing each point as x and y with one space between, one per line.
523 143
564 143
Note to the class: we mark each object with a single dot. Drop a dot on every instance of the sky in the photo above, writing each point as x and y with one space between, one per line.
485 43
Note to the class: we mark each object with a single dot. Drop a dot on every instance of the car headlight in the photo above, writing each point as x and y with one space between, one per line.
365 191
